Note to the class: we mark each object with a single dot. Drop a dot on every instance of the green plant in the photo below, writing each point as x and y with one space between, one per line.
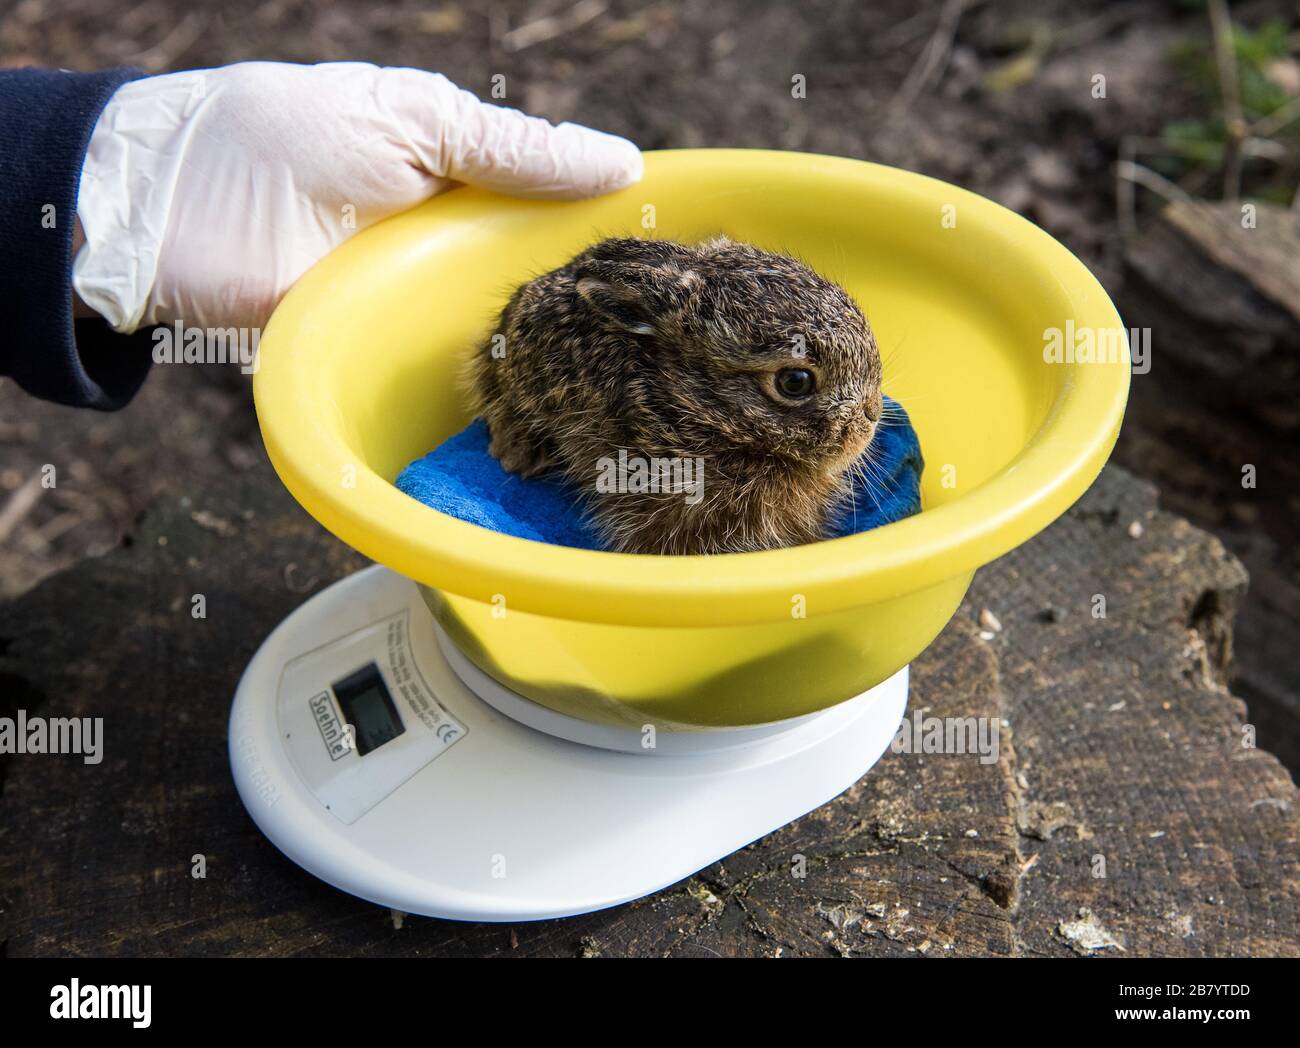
1201 143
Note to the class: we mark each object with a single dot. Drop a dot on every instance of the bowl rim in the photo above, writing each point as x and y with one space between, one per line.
1056 466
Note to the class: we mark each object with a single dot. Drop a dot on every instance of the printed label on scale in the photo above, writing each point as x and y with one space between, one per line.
411 687
357 718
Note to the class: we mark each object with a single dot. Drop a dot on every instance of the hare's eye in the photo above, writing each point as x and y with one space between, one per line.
795 383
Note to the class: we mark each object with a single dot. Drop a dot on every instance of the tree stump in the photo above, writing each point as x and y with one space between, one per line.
1216 286
1126 811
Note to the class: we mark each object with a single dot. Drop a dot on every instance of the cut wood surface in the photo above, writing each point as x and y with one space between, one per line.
1214 418
1258 241
1126 813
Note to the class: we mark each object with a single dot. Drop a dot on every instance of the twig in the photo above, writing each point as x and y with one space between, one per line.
1271 124
61 524
1131 173
1125 194
1225 59
933 57
172 46
547 28
1193 147
1264 147
900 33
19 505
1095 27
1128 174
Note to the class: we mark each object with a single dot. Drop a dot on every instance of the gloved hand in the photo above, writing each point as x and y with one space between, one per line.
206 194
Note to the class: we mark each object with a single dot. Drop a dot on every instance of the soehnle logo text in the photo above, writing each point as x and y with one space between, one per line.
337 739
101 1002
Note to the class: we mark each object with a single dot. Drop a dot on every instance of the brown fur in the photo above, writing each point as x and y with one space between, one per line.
672 352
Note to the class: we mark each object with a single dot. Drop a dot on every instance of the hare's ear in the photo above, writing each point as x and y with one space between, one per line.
627 295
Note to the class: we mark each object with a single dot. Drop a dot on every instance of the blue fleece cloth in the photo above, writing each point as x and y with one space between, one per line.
462 479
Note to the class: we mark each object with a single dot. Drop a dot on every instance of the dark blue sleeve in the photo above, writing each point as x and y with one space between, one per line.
46 118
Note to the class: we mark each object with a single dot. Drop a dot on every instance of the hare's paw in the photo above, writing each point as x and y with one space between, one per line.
519 454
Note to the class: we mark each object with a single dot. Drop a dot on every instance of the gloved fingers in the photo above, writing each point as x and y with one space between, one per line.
456 136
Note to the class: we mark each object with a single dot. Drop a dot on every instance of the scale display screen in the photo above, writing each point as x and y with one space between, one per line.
368 707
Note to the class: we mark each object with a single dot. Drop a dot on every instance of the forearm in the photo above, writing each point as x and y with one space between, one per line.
46 119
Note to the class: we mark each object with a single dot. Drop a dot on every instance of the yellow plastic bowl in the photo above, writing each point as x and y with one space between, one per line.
358 376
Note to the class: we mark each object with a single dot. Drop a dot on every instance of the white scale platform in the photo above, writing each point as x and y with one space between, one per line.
428 797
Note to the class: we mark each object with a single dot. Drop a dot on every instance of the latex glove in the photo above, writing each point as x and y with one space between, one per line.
206 194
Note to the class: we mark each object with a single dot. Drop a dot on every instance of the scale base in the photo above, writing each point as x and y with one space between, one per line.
513 823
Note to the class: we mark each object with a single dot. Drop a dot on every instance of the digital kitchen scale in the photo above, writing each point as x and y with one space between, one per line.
381 760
